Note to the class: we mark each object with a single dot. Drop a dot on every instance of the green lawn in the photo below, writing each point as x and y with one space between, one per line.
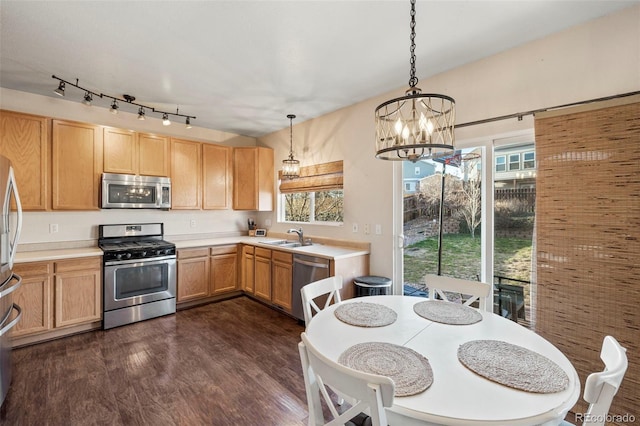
461 258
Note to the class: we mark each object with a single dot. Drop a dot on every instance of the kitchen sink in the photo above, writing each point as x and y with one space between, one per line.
286 243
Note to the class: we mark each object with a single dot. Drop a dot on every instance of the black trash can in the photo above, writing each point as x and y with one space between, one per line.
372 286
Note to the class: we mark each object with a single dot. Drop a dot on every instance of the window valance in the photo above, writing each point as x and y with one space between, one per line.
318 177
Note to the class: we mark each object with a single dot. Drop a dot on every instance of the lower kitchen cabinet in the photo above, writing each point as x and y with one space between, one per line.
193 274
281 279
262 273
207 271
58 295
224 269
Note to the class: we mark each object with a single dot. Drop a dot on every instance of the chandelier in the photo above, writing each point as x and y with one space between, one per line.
290 166
415 126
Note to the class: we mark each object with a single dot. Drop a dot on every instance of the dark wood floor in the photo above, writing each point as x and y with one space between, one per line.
233 362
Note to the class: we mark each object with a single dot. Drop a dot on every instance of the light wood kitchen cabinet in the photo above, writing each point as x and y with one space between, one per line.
35 298
281 279
154 154
247 272
253 184
216 176
262 275
186 166
24 139
77 152
78 291
193 274
224 269
120 151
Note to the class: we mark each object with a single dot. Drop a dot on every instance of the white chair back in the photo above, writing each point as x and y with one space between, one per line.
368 392
479 291
600 388
328 286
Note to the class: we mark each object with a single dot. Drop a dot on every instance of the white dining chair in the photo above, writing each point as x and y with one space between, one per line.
368 393
328 286
439 284
601 387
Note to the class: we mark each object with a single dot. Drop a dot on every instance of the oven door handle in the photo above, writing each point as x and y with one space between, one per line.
147 260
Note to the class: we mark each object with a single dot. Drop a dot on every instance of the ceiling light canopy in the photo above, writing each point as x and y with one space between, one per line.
415 126
125 99
290 166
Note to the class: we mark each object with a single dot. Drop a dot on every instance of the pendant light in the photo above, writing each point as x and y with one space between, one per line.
290 166
415 126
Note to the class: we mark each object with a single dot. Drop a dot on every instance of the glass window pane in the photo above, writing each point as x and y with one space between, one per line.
297 207
501 164
329 206
514 161
528 160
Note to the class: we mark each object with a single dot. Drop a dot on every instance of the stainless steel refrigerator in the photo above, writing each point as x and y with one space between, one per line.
10 225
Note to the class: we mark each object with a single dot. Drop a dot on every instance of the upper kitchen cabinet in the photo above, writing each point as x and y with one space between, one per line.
253 178
186 169
24 139
126 151
77 158
216 176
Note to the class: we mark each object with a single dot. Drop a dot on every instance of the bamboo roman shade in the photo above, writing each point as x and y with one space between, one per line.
319 177
588 237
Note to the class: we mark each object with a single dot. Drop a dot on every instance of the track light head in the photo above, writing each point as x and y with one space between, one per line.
165 119
60 90
188 123
114 107
141 114
88 98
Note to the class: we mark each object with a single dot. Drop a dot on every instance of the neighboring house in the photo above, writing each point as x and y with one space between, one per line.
412 173
515 167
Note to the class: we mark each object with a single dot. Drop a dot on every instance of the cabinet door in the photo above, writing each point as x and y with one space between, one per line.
77 166
216 176
248 269
263 273
186 163
281 282
224 276
34 297
253 178
24 139
153 155
193 278
120 151
78 291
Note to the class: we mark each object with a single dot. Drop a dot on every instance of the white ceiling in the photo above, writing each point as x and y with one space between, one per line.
242 66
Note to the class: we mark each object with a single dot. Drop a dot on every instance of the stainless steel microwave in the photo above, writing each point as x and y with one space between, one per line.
120 191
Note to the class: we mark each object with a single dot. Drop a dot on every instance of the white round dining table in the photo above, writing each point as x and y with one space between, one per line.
457 396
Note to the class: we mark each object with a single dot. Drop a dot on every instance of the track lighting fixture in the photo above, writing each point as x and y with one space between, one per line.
90 95
88 98
60 90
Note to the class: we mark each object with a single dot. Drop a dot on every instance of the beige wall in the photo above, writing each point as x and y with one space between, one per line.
597 59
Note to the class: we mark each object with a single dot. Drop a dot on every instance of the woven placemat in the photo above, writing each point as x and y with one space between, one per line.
365 314
513 366
447 312
411 372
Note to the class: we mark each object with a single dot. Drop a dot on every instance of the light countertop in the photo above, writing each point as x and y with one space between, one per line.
322 250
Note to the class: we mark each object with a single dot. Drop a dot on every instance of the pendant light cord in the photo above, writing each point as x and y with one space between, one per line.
413 80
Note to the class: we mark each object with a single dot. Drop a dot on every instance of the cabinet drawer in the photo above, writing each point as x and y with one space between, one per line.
32 269
260 252
282 256
230 249
77 264
189 253
248 249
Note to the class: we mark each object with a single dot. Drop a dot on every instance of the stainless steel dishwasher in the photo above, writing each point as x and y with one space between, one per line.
306 269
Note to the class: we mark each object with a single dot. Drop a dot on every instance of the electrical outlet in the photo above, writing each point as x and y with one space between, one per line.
355 227
193 223
367 231
53 228
378 229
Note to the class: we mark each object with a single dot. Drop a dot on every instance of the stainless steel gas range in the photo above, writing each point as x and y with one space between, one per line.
139 273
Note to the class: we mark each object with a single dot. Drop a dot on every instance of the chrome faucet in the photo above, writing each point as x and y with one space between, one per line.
300 234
